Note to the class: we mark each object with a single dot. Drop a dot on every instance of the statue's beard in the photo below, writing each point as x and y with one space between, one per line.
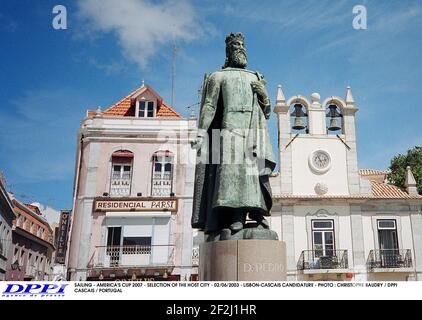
238 59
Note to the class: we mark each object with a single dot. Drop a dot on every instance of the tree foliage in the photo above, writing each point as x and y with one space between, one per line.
412 158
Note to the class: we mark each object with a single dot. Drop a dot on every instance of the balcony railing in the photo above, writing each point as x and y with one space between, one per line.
316 260
389 258
133 256
120 187
195 257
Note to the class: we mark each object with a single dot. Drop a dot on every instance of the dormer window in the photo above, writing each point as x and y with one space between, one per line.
146 109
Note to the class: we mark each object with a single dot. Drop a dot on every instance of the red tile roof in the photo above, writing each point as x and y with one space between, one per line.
126 106
372 172
388 191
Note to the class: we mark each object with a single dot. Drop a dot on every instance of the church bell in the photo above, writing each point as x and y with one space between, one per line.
334 115
298 114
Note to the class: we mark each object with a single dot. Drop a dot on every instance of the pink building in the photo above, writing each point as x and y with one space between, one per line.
133 192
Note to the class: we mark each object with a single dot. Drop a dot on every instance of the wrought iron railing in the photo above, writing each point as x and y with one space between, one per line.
132 255
389 258
120 187
195 256
316 259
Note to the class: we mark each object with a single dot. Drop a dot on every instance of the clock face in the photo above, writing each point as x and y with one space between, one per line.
320 161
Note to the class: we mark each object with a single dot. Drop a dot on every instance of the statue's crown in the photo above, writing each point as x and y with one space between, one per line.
234 36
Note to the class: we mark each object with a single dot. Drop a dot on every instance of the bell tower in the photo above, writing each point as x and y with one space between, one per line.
317 145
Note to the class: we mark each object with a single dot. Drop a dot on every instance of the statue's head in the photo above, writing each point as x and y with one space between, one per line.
235 51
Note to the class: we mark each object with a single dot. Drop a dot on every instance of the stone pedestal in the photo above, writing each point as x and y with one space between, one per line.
242 260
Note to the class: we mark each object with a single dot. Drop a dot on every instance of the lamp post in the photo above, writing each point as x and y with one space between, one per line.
15 265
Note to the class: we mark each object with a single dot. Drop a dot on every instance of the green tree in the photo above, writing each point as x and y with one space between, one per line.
412 158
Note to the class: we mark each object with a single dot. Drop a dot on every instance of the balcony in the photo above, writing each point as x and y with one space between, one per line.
313 261
120 187
390 260
30 271
133 256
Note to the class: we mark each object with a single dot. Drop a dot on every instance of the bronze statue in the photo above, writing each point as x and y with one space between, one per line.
232 126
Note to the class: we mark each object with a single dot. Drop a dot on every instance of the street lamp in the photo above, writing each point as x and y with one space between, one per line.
15 265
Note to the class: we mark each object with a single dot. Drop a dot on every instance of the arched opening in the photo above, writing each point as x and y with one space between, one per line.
299 118
162 174
121 173
334 119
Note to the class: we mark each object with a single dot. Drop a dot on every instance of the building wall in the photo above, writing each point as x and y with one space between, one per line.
5 242
292 222
335 179
152 135
23 249
37 223
6 222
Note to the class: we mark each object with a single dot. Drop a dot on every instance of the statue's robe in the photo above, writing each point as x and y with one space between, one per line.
236 173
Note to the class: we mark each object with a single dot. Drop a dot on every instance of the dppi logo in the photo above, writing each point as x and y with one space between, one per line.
46 290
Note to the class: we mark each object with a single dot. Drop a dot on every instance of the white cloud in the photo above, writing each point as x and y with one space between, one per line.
50 214
142 27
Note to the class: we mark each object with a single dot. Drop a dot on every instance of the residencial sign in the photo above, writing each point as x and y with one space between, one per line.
150 204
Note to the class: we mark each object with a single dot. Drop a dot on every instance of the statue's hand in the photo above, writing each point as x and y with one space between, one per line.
258 87
197 143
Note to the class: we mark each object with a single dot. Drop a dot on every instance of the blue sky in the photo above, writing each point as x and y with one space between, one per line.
49 78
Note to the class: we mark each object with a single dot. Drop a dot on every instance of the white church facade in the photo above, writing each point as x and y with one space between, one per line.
339 222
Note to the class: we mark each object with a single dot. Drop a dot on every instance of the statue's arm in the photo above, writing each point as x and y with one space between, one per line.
210 103
258 87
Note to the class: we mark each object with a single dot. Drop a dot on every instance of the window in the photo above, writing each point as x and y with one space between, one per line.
114 236
323 237
24 224
162 176
15 254
8 241
31 228
21 257
121 175
387 235
137 245
146 109
137 241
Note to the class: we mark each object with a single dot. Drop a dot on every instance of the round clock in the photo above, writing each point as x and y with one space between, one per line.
320 161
